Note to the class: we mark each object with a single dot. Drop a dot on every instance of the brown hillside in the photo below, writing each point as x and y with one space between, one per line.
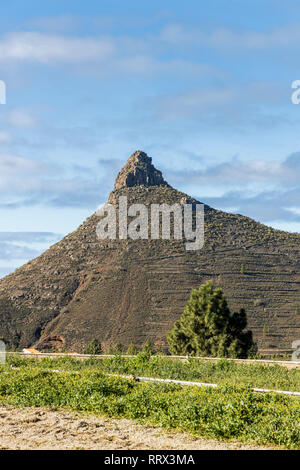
126 291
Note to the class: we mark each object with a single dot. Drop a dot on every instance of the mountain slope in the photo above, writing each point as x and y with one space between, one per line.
125 290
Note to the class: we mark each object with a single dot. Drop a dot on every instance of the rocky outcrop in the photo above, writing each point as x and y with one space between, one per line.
139 171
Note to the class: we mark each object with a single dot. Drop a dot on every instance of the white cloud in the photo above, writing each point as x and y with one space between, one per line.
255 104
58 23
4 137
101 55
16 248
286 36
10 164
193 102
47 48
20 118
241 174
143 64
27 182
19 174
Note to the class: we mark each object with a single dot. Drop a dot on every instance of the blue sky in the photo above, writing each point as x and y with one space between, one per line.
203 87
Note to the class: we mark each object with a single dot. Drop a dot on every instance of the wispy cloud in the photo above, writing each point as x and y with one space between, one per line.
47 48
238 173
103 55
20 118
265 206
16 248
29 237
4 270
4 137
27 182
57 23
254 103
286 36
265 191
24 245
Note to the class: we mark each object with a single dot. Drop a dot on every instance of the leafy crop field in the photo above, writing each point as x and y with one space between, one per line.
222 372
229 412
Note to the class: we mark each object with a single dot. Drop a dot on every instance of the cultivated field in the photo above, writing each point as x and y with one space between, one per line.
230 412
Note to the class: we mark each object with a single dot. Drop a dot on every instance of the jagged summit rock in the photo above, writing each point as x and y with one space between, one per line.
139 171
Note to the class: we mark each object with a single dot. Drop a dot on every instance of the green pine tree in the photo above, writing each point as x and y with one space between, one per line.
115 349
207 328
147 348
118 348
94 347
132 350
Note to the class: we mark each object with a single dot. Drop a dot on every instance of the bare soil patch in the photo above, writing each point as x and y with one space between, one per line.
38 428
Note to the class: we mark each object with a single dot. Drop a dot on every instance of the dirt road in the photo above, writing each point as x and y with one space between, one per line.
37 428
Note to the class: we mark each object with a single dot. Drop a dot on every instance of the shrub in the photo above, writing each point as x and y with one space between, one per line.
132 350
117 348
94 347
207 328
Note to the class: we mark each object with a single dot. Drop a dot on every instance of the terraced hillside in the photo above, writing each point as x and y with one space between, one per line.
126 291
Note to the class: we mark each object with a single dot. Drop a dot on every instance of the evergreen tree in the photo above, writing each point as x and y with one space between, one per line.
132 350
115 349
147 348
207 328
94 347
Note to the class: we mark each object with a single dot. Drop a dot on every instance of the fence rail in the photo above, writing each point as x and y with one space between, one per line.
204 384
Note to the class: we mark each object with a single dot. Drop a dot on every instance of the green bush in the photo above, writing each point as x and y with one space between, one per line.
199 370
94 347
227 412
117 348
131 350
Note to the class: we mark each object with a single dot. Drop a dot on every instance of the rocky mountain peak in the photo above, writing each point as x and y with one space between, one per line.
139 171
